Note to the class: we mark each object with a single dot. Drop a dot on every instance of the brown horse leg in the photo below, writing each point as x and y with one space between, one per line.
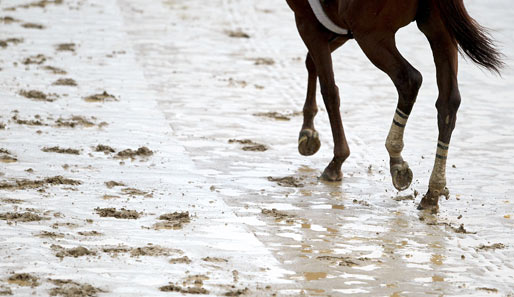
308 141
446 60
317 40
383 53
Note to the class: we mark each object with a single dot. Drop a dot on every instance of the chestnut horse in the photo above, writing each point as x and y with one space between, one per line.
325 25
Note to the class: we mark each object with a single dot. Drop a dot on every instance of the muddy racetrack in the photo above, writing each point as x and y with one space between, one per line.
149 149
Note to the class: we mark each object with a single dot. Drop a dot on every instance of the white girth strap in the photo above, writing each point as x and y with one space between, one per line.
324 19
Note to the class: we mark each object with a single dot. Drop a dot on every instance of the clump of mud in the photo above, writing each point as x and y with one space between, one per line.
339 260
90 233
5 43
140 152
32 26
8 20
22 217
37 59
24 280
22 184
118 214
41 3
56 149
181 260
12 201
238 292
52 235
38 95
215 260
277 115
69 288
237 34
495 246
65 47
135 192
249 145
111 184
361 202
149 250
6 156
55 70
188 290
75 121
65 82
79 251
2 126
35 122
101 97
264 61
174 220
278 215
104 148
5 291
288 181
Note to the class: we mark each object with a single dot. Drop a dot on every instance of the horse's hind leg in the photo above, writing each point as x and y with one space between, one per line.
383 53
308 141
446 60
317 40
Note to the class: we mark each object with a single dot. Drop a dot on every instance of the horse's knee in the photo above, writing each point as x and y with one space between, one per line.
330 93
408 83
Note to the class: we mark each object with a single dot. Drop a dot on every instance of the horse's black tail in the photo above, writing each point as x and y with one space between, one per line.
473 39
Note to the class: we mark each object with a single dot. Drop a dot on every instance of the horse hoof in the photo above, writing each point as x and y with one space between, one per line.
402 176
308 142
431 200
331 175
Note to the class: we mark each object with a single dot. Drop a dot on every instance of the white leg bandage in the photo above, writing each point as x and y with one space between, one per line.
394 141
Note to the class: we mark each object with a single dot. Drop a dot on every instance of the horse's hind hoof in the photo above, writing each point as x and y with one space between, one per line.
331 175
308 142
402 176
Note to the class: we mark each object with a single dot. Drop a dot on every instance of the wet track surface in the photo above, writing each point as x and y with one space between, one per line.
229 80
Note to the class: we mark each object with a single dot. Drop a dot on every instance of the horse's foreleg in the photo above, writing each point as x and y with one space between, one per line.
308 141
446 61
317 41
383 53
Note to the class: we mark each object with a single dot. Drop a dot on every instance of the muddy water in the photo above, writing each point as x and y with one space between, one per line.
359 237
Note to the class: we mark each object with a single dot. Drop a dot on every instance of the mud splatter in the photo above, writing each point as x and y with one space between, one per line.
6 156
37 59
75 121
56 149
35 122
118 214
90 233
288 181
65 47
361 202
8 20
5 291
215 260
495 246
76 252
249 145
22 217
181 260
237 34
339 260
104 148
55 70
140 152
277 115
188 290
5 43
238 292
69 288
38 95
52 235
174 220
149 250
42 4
278 215
24 280
264 61
12 201
102 97
22 184
33 26
65 82
111 184
135 192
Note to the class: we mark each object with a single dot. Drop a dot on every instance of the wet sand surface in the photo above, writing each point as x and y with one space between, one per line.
150 149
